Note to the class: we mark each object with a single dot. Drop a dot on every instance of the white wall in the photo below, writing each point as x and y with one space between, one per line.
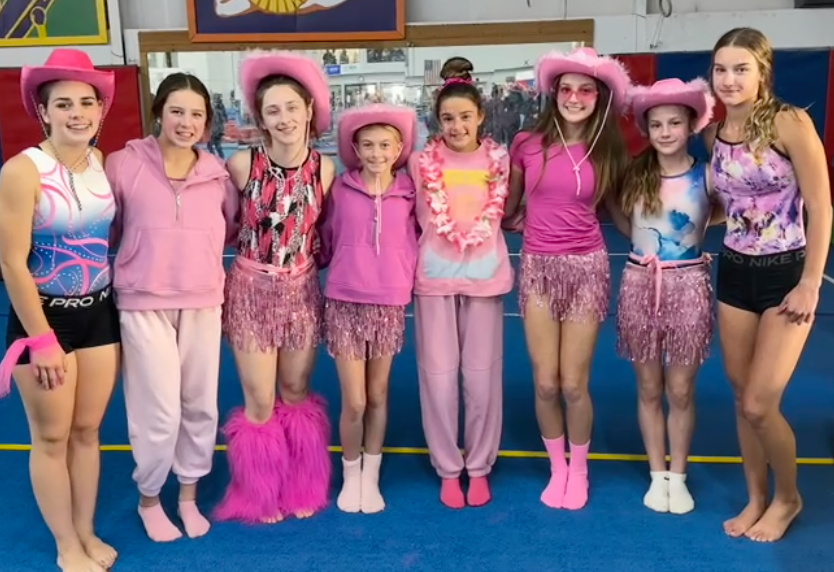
104 55
622 26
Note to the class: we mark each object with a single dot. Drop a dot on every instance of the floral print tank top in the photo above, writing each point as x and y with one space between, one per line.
676 232
761 198
279 211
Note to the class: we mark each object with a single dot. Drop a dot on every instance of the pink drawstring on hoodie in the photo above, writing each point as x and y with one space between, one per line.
378 215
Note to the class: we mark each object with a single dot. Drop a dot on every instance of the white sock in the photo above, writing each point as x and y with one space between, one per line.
350 499
657 497
680 501
372 501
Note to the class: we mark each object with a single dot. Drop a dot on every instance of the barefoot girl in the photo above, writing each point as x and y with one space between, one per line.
463 272
768 164
175 209
62 339
568 165
369 240
277 448
664 313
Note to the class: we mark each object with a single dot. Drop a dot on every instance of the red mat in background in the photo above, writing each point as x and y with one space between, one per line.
19 131
828 128
643 71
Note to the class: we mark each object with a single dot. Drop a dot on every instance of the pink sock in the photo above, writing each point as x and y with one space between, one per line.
157 524
554 494
195 523
478 493
576 492
451 494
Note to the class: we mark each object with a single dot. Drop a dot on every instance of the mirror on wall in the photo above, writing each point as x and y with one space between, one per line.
406 76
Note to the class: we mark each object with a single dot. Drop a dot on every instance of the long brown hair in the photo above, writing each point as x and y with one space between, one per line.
609 156
642 180
759 128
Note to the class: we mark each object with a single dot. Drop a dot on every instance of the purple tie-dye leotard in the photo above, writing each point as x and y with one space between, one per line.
761 198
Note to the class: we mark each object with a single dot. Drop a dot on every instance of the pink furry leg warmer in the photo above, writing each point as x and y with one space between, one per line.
258 460
307 431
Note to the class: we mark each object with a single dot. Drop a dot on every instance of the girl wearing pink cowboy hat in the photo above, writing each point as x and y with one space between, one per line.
664 312
277 448
569 164
176 210
62 339
463 272
369 241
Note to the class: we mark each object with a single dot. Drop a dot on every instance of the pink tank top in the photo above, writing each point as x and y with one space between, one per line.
560 218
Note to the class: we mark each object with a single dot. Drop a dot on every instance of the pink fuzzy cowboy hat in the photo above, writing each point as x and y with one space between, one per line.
587 62
302 69
695 95
65 64
401 118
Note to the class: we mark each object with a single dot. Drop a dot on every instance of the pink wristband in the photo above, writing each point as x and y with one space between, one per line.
33 344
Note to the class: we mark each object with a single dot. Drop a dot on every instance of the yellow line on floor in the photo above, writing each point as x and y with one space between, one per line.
505 454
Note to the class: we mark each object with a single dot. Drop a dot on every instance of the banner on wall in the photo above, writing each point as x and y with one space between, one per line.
264 21
29 23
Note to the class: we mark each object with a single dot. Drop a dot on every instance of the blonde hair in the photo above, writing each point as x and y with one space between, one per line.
394 131
760 127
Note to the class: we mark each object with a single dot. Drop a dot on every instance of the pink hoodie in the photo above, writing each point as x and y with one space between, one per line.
171 234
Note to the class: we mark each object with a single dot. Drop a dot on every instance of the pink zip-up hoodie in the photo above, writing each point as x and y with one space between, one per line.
171 234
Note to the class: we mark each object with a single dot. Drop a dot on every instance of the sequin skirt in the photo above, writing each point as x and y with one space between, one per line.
266 311
575 287
363 331
677 328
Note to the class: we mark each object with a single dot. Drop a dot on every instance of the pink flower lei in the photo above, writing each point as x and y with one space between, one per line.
431 173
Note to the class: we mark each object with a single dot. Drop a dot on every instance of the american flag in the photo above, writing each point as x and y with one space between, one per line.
431 72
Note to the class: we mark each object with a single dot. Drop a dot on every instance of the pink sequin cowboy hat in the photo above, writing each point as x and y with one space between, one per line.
695 95
587 62
65 64
401 118
302 69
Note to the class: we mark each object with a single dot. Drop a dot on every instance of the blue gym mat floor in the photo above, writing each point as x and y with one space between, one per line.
615 533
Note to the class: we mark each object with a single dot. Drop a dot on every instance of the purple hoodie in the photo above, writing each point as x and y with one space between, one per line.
369 242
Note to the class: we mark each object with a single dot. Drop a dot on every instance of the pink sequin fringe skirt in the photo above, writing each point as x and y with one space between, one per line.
575 287
678 330
363 331
270 311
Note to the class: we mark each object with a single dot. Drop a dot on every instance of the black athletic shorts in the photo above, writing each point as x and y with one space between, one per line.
757 283
79 322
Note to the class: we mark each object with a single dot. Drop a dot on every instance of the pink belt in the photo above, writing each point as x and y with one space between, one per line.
269 269
656 266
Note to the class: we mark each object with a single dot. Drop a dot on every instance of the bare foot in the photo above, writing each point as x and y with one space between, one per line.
738 526
78 561
100 552
775 521
273 519
304 514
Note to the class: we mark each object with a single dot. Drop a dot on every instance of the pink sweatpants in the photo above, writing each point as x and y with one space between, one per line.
171 366
460 335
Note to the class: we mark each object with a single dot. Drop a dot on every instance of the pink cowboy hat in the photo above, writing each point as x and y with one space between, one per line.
302 69
695 95
587 62
401 118
65 64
